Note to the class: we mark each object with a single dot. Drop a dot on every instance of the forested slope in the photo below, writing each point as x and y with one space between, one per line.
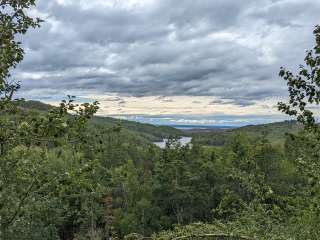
274 132
149 132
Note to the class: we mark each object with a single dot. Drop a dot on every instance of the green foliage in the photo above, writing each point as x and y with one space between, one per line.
43 165
304 88
214 231
13 22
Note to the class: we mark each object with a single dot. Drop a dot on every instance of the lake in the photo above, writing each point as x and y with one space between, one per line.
183 141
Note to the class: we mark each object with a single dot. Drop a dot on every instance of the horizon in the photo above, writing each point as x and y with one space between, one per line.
204 124
197 63
179 121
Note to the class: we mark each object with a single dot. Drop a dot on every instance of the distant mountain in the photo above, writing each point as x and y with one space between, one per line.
35 105
274 132
147 131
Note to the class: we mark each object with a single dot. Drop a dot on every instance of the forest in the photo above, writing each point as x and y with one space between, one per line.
67 174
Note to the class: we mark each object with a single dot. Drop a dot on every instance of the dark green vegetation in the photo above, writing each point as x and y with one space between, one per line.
62 177
276 133
147 131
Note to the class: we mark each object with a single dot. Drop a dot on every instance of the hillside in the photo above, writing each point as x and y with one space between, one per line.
274 132
146 131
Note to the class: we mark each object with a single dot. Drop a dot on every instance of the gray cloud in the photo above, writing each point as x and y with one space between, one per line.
223 48
114 99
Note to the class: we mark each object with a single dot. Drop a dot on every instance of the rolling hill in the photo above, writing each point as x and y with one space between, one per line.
147 131
274 132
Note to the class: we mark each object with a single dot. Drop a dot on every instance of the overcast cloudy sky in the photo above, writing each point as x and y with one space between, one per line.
211 62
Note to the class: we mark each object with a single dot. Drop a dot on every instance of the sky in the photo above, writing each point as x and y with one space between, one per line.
194 62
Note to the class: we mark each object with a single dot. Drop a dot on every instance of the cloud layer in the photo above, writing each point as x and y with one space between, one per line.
226 50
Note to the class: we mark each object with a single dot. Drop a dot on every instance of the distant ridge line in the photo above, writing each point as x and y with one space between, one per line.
198 126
